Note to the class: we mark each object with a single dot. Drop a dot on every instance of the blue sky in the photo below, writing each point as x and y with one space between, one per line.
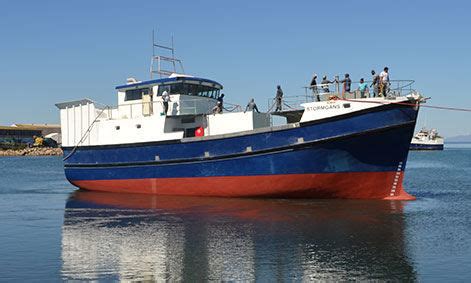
53 51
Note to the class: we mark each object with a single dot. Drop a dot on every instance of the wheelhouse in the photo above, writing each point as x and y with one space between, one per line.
178 85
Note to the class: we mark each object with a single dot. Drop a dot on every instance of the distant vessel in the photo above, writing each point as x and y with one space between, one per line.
427 140
331 146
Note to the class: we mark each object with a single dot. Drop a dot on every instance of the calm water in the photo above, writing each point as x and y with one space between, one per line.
50 232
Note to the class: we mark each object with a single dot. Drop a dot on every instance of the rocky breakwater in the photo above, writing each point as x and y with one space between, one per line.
32 151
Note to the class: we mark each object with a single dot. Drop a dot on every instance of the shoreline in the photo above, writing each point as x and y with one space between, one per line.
32 151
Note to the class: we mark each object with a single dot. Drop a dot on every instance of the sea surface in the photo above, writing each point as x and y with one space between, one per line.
49 231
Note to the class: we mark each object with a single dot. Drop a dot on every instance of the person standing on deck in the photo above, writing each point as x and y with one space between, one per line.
251 106
363 88
165 99
217 109
384 79
375 83
221 100
278 98
347 84
325 84
313 86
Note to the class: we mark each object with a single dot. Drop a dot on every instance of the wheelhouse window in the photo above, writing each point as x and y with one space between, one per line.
136 94
190 89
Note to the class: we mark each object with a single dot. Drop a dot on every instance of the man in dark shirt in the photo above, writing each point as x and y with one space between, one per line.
325 84
278 98
375 83
313 86
221 99
347 84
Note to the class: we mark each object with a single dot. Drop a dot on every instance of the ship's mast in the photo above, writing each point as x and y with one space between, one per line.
161 60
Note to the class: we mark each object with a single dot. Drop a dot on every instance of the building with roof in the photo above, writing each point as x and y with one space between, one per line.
45 129
23 133
18 135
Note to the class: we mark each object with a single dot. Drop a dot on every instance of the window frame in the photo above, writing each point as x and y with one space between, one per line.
137 93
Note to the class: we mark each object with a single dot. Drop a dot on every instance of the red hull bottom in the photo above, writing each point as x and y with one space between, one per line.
371 185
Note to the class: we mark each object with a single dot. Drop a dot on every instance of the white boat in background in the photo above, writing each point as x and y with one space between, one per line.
427 140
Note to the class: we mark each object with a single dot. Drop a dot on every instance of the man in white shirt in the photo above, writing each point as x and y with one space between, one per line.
384 79
165 99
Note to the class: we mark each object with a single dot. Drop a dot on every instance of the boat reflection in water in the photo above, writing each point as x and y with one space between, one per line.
148 237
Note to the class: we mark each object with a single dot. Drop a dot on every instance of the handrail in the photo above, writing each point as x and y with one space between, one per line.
401 84
323 92
187 106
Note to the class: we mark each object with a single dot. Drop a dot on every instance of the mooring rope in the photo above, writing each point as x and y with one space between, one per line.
84 135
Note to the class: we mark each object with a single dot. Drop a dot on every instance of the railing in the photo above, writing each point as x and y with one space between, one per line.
181 107
395 88
324 92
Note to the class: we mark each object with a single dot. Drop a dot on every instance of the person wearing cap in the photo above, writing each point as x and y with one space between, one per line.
313 86
375 83
278 98
347 84
325 84
384 81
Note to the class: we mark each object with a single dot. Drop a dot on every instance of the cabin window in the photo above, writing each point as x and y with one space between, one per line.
136 94
163 88
189 89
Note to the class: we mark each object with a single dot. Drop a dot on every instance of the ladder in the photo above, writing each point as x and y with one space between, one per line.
160 64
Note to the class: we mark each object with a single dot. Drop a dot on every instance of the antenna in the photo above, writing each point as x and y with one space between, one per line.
159 59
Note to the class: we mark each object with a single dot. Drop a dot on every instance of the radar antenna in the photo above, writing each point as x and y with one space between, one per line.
163 62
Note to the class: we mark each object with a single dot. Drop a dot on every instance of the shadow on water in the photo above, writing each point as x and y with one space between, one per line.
142 237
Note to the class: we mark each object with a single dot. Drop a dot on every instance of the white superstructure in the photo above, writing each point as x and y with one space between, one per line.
140 117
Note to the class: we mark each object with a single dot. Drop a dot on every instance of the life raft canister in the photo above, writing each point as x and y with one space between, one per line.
199 132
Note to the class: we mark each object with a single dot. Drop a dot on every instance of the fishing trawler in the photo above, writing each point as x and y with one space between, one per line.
162 138
427 140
